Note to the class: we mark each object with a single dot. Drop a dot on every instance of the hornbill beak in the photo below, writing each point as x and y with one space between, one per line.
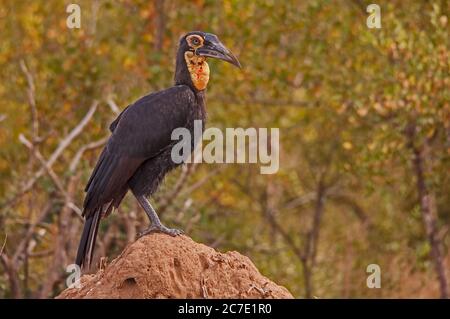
213 48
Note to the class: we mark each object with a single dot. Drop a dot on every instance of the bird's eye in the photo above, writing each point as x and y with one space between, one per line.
195 41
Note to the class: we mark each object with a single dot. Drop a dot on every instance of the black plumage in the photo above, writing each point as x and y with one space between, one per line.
137 155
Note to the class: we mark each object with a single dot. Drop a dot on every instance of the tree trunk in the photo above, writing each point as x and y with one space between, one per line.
13 276
307 274
160 24
312 238
427 209
59 263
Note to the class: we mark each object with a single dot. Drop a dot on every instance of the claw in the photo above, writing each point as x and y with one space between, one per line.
162 229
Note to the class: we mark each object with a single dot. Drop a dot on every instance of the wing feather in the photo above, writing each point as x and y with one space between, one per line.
139 133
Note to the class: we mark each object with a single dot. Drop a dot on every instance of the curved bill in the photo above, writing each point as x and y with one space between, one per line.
213 48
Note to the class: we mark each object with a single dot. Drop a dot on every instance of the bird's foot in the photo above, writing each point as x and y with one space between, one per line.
161 229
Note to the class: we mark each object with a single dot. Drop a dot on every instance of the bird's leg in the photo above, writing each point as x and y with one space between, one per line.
156 225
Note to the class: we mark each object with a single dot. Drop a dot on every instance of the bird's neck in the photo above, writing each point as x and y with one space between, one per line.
198 69
192 70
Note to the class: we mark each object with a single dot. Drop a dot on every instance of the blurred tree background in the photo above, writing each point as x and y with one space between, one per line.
364 120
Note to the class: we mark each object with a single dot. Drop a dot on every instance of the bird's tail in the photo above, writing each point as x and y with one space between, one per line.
87 241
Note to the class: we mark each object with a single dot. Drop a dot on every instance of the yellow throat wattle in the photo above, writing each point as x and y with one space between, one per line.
198 69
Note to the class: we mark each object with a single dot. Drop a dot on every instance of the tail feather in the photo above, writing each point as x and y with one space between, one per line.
87 241
97 186
105 190
99 163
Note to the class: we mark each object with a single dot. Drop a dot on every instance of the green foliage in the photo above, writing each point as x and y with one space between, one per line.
341 94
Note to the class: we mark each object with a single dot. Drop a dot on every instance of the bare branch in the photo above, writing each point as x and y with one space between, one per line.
90 146
112 105
44 163
313 235
22 246
427 206
61 241
160 24
13 276
265 102
301 200
202 181
4 244
74 133
76 209
41 254
288 238
31 94
349 202
360 5
55 155
168 199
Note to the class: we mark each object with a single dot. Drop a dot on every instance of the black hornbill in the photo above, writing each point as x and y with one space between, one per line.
137 155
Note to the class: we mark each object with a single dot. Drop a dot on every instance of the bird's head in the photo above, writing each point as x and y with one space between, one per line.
196 47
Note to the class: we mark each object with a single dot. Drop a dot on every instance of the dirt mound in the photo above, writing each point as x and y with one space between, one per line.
160 266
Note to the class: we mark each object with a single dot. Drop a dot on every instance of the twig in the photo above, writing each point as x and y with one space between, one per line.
204 289
262 291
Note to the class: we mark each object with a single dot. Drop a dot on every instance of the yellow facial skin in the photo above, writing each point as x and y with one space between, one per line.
198 69
197 66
